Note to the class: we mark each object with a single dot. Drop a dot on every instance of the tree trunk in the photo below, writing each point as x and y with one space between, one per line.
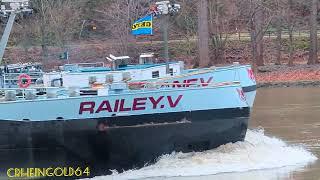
259 37
220 40
43 32
313 56
253 46
260 50
290 31
44 44
290 47
278 41
203 33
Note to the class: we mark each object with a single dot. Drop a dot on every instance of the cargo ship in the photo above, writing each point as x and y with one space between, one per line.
115 126
119 128
86 74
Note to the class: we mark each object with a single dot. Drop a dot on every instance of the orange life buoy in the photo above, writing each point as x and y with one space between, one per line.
22 83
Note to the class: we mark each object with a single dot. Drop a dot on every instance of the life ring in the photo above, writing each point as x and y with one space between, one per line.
22 83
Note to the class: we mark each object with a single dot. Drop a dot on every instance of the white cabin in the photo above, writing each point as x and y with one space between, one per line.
76 75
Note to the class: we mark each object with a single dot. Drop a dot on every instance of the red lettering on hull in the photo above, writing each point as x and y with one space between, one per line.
176 84
139 104
155 102
122 108
123 105
175 103
116 106
87 106
206 83
251 74
187 82
190 81
104 106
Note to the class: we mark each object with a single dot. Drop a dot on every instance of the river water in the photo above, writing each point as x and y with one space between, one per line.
283 143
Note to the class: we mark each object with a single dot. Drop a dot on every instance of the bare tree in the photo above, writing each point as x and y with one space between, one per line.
279 27
258 16
222 14
285 18
186 21
65 18
288 16
25 35
43 23
248 9
55 22
117 17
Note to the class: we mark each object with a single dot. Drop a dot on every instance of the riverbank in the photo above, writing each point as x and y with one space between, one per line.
289 84
299 75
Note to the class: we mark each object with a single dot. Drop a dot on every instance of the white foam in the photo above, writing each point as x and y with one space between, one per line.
257 152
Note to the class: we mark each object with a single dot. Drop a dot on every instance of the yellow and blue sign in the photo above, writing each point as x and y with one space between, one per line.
143 26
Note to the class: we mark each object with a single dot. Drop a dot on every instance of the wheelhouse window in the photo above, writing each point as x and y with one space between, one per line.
171 71
155 74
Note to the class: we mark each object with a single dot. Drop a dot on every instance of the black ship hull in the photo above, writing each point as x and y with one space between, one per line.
119 142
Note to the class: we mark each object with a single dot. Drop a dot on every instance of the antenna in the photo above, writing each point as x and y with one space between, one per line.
10 8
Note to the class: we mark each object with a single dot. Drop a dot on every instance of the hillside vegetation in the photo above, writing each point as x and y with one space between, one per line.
259 32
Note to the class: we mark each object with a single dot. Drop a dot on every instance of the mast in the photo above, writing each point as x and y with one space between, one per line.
6 34
166 9
12 7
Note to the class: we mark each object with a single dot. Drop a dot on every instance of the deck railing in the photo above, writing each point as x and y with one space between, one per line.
55 92
9 80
